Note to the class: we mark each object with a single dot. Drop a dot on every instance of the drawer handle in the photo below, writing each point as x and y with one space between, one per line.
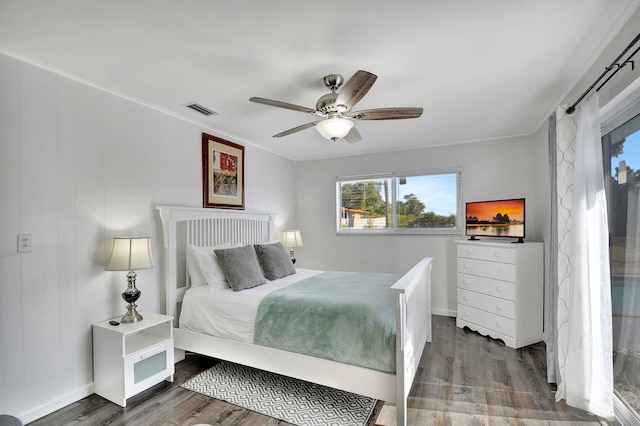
466 282
499 289
499 325
498 307
150 354
465 266
466 314
467 251
466 298
496 254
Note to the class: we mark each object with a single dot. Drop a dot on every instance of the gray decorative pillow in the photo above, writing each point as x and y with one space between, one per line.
274 260
240 266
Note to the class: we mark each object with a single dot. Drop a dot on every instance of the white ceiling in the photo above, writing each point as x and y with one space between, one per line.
480 69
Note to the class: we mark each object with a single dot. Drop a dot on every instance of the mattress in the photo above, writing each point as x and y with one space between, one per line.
230 314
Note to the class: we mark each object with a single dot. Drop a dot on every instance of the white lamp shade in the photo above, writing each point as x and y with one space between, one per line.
334 128
292 238
130 253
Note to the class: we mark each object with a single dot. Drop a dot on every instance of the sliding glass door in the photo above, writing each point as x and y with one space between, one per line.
621 149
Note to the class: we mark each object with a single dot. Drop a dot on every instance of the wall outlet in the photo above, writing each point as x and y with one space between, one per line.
24 243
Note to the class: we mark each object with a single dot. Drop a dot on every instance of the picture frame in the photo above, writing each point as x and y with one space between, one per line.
222 173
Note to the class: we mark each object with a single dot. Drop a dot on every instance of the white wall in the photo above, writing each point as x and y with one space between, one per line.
78 166
490 170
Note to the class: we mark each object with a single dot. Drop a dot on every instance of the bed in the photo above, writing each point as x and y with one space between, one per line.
183 227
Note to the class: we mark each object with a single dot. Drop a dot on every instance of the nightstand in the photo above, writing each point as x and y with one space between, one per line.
130 358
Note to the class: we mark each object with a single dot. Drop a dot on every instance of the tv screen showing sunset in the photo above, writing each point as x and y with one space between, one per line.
500 218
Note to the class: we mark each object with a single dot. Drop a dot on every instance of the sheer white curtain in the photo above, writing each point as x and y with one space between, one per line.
584 343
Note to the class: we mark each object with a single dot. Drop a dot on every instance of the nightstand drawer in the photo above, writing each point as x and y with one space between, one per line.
148 367
495 270
502 307
497 288
484 319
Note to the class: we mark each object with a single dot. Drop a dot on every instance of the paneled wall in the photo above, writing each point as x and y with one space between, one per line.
77 167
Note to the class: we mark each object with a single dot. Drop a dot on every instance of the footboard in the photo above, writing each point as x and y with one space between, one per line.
413 329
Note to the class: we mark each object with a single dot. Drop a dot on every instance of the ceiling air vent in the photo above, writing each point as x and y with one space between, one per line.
201 109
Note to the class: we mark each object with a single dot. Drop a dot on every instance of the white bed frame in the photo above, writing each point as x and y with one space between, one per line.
182 226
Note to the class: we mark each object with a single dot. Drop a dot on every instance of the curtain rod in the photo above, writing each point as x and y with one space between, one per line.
614 65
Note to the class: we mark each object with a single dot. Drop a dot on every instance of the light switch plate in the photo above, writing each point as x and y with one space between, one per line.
24 243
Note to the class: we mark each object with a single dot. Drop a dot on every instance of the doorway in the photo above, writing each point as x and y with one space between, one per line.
621 156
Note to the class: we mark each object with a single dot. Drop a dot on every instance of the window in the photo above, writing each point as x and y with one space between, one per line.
425 202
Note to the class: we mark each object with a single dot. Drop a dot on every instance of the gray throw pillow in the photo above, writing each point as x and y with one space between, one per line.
240 266
274 260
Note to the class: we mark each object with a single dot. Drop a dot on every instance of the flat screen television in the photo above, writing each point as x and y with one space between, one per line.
496 218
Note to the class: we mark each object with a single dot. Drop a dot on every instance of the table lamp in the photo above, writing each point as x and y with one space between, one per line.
129 254
292 239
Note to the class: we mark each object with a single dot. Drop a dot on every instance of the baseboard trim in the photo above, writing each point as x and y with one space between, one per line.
58 403
444 312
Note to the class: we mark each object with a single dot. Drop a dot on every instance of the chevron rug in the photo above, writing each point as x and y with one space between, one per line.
294 401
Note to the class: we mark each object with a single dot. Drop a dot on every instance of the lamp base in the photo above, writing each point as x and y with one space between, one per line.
131 316
130 295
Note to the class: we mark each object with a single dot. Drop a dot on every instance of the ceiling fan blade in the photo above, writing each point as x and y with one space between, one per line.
355 89
296 129
280 104
353 136
387 113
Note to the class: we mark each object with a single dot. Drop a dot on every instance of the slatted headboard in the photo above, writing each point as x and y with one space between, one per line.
182 226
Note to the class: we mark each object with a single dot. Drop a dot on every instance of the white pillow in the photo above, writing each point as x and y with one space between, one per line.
195 271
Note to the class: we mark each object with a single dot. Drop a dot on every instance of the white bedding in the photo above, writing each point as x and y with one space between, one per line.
230 314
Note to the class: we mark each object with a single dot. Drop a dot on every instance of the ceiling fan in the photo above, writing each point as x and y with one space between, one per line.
335 108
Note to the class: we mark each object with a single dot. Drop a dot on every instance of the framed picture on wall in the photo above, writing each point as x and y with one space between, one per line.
222 173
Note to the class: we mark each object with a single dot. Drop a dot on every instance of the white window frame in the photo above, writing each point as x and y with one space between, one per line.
457 230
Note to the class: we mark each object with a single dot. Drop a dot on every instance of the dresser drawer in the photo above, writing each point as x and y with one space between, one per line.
495 270
502 289
499 254
494 254
502 307
487 320
469 251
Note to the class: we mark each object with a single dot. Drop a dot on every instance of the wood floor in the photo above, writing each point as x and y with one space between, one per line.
464 379
468 379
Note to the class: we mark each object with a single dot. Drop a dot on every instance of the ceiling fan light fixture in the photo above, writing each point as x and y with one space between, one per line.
334 128
335 106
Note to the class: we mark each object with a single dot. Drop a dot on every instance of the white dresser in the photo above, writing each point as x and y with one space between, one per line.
500 290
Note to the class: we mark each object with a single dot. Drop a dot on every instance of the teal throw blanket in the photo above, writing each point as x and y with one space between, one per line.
349 317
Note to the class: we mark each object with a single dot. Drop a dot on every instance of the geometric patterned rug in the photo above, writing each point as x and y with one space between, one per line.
294 401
